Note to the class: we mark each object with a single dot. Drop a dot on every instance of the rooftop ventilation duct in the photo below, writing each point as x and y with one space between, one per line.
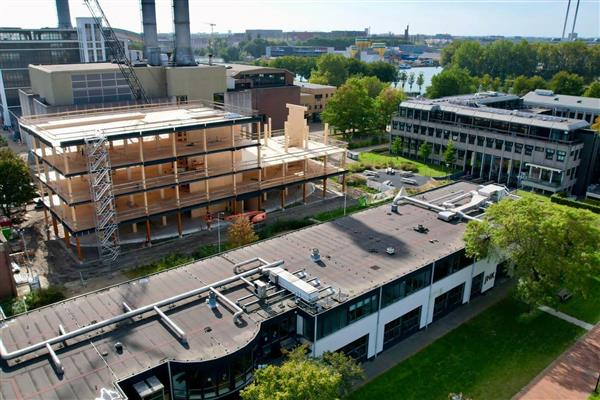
183 43
151 49
64 15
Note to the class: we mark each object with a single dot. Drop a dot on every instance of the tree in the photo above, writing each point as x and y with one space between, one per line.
349 369
522 84
593 90
385 72
420 81
411 81
349 110
596 125
550 246
449 154
468 55
372 85
425 151
402 77
566 83
396 146
302 66
241 232
331 376
386 104
331 68
16 188
450 82
357 67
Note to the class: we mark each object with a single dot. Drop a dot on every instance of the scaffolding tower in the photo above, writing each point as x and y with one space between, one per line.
101 189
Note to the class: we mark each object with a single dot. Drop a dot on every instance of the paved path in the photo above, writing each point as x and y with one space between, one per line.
568 318
436 330
572 376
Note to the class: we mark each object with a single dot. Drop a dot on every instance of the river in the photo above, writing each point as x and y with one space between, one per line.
428 73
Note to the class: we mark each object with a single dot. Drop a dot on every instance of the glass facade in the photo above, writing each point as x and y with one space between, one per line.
448 301
451 264
100 87
405 286
402 327
345 314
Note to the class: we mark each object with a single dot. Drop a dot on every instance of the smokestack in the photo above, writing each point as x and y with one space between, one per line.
183 43
64 15
151 49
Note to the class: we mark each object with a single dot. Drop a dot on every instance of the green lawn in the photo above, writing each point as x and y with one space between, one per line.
379 159
490 357
587 309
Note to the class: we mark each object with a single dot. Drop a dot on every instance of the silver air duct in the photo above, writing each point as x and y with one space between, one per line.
151 49
183 44
64 15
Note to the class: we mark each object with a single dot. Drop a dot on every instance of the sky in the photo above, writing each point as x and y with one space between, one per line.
457 17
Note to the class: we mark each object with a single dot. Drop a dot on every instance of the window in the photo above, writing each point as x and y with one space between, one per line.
480 140
489 142
448 301
450 264
549 154
362 308
438 133
539 149
446 134
498 144
358 349
518 148
528 149
401 327
340 317
472 139
406 286
463 137
561 155
508 146
461 154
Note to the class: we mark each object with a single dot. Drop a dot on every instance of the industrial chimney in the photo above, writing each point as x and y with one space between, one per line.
151 49
183 43
64 15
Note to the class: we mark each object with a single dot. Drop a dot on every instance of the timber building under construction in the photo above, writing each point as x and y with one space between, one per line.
128 169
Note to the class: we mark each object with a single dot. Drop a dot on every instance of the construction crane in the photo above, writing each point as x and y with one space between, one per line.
117 50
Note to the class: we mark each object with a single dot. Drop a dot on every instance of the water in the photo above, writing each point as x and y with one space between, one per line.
428 73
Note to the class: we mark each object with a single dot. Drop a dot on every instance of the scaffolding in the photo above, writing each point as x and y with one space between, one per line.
101 189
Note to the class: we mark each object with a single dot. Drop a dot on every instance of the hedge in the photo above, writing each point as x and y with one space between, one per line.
555 198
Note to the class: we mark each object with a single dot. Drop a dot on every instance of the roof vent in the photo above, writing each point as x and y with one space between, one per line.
421 229
119 347
391 251
314 255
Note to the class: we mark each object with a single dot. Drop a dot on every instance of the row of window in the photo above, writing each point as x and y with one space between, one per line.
346 314
503 127
482 141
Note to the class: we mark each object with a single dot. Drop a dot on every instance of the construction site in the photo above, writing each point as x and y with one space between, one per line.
105 173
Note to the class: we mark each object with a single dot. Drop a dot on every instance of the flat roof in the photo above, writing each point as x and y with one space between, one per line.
69 129
235 69
103 66
549 99
309 85
354 261
513 116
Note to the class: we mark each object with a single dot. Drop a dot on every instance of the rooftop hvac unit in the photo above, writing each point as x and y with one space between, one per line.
294 284
261 289
150 389
315 255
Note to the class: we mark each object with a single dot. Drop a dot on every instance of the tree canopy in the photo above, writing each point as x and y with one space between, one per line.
331 70
593 90
450 153
550 246
449 82
241 232
386 104
16 188
302 378
350 109
564 82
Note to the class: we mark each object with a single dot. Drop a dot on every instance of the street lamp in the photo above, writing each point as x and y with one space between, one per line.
219 230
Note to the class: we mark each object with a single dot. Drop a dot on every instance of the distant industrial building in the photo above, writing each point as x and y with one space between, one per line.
314 97
497 142
562 105
358 285
20 48
264 89
301 51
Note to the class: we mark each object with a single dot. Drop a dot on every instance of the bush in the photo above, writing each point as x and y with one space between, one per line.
169 261
356 180
31 301
283 225
565 201
3 141
408 166
206 251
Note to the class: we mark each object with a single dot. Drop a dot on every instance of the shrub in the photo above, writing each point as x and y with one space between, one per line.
355 180
283 225
169 261
408 166
31 301
3 141
565 201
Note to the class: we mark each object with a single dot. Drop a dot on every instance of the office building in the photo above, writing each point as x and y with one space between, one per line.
301 51
562 105
171 167
264 89
314 97
519 148
360 285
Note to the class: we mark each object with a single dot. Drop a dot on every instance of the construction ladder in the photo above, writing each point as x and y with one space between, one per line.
107 232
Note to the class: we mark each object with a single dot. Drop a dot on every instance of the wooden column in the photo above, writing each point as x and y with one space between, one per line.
55 226
148 233
78 246
141 144
39 180
282 198
179 225
67 237
324 187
